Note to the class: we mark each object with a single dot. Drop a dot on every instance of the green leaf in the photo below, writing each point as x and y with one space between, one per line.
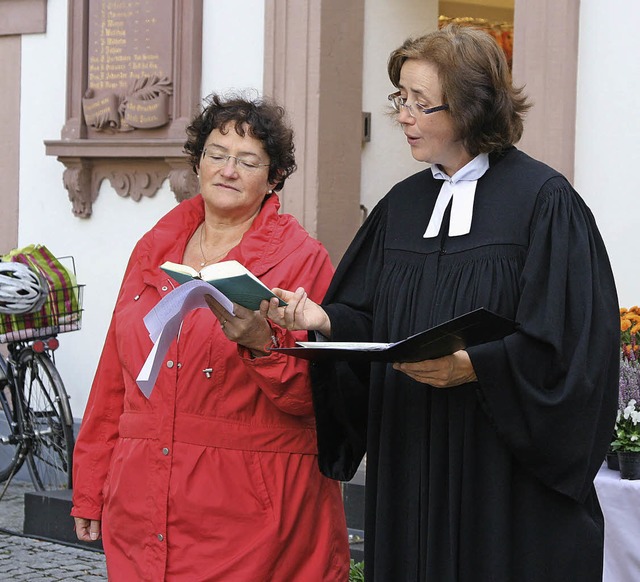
356 571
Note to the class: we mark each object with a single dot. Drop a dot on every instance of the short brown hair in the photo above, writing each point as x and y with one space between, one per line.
486 109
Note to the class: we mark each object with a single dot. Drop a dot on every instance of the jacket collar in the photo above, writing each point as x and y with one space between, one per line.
271 238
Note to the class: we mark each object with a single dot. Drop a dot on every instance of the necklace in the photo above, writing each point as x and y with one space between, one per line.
204 258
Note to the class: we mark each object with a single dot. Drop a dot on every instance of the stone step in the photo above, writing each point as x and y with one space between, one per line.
46 516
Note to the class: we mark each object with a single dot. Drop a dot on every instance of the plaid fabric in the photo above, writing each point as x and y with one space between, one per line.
62 305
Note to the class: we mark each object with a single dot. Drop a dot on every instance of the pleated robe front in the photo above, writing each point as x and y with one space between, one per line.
491 480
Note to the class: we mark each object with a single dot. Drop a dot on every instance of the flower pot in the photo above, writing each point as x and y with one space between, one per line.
629 465
612 461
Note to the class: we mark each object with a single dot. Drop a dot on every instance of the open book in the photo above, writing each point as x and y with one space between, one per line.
229 277
473 328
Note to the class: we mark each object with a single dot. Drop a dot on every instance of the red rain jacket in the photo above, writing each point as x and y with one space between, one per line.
215 477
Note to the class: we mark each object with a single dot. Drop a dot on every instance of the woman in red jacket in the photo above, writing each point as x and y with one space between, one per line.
215 476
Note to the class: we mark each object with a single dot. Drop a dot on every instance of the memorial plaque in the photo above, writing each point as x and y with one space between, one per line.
133 85
129 65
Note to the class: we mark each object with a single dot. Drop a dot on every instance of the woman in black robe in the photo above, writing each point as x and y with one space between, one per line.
480 465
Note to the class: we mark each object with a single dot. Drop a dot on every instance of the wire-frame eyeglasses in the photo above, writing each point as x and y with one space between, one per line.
399 102
219 159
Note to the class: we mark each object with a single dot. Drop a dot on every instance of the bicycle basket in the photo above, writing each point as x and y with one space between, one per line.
61 311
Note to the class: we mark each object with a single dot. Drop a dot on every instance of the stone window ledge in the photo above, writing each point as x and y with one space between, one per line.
134 169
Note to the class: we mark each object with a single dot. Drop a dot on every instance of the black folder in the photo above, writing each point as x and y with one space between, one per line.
471 329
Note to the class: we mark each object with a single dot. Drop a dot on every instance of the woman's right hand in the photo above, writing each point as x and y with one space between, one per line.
300 312
87 530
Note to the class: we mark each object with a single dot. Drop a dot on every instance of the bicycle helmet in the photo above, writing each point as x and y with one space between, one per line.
21 289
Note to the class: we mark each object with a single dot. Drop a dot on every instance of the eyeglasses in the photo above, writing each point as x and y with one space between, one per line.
399 102
220 160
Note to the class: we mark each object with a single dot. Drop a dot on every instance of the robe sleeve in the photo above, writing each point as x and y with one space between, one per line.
551 388
340 390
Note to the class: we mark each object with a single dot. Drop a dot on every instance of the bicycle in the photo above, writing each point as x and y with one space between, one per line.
36 426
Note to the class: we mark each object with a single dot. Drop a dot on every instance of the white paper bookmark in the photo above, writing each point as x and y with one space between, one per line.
164 320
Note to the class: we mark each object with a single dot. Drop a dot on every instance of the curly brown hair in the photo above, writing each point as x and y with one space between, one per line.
261 117
486 109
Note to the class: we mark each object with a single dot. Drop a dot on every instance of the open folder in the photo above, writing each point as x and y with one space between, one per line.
473 328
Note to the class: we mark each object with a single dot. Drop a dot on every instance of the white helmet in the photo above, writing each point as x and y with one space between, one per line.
21 289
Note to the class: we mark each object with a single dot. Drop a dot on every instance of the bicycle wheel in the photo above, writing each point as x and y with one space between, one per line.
48 423
11 445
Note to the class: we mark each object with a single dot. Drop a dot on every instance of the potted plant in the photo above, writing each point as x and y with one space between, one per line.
627 428
627 442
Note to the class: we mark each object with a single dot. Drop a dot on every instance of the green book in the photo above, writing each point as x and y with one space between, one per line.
231 278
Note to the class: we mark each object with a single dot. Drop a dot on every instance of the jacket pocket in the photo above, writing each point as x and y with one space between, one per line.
262 490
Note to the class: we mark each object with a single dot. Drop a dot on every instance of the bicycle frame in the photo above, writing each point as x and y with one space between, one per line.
37 408
7 401
17 348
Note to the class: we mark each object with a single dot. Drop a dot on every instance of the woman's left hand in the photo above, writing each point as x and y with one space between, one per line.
247 328
444 372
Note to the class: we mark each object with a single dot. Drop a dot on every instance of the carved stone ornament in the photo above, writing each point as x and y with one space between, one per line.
144 106
133 85
77 179
82 180
183 182
136 183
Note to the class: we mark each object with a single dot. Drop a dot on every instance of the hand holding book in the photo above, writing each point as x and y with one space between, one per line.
443 372
217 287
299 312
246 327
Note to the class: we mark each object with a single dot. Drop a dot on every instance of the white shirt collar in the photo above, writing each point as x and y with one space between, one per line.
462 188
471 171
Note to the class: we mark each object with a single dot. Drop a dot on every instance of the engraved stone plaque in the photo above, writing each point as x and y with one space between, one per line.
133 84
129 65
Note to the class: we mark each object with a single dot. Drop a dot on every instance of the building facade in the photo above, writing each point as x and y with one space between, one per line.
326 62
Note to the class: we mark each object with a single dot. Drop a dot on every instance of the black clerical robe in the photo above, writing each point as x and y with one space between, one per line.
491 481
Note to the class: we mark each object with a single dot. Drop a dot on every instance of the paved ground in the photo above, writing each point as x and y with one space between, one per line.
24 559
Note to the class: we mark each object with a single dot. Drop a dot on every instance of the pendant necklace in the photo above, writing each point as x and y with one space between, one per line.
204 258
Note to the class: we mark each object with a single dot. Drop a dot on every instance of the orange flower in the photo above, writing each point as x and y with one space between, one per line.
630 324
